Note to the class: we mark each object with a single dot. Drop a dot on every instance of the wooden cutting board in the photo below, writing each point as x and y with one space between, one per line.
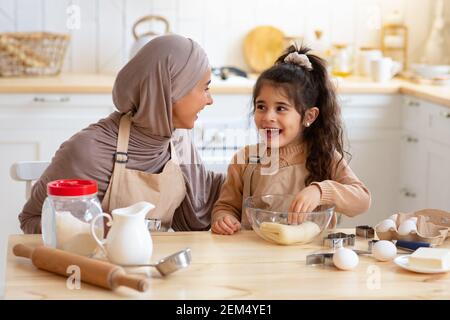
262 46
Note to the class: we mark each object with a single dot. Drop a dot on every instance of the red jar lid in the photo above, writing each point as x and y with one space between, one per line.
72 188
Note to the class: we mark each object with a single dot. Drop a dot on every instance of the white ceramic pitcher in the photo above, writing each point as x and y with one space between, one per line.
128 240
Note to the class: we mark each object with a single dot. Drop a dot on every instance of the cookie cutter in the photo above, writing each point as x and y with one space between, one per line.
326 258
365 232
370 244
320 258
339 239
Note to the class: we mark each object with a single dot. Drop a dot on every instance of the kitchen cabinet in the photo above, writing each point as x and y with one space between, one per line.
412 156
412 174
437 173
372 134
425 156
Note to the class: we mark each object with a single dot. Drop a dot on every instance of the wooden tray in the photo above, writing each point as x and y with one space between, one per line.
262 46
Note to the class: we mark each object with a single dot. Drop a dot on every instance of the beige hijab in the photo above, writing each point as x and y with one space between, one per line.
162 72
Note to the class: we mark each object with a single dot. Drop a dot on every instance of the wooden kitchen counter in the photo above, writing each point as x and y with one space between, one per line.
242 266
63 83
98 83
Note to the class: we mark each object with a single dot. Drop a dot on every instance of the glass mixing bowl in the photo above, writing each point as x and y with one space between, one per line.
270 219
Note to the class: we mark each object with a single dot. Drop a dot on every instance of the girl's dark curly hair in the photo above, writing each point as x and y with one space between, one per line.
307 89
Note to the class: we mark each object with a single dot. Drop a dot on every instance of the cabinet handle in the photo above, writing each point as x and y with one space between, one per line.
411 139
51 100
445 114
414 104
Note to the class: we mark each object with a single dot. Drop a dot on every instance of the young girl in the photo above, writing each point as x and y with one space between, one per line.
295 105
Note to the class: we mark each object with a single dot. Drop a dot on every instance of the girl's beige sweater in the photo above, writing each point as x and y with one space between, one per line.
344 190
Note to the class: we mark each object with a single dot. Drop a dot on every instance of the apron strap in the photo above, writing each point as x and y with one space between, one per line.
254 158
247 192
121 154
247 178
173 153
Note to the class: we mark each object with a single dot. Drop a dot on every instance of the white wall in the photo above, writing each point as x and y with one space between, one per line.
101 44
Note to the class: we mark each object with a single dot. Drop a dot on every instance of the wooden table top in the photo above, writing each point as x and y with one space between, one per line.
241 266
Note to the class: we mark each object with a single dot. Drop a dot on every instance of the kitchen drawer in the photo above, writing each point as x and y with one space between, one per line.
412 172
413 114
438 123
371 110
54 100
57 111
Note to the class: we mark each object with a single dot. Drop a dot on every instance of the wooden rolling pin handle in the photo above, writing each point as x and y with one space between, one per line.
121 279
96 272
21 250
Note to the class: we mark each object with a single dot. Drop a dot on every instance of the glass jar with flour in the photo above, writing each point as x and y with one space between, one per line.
66 215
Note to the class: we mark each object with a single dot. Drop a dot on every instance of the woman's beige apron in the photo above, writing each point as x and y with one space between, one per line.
166 190
287 180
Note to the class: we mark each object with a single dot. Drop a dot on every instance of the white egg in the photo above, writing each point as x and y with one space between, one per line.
345 259
406 227
386 225
394 217
384 250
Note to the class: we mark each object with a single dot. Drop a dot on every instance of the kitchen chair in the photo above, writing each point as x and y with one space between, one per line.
28 171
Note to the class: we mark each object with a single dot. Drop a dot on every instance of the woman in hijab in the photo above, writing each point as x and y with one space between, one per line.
133 154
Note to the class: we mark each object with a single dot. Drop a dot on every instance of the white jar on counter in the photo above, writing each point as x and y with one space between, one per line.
66 215
342 61
366 55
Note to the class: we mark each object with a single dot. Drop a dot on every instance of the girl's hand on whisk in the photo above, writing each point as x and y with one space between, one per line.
305 201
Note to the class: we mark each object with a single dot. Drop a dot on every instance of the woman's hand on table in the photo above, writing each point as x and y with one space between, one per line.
305 201
226 225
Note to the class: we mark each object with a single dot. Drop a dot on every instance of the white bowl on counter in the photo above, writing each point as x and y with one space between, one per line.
430 71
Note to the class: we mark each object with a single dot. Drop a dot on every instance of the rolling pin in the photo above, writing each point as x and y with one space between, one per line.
95 272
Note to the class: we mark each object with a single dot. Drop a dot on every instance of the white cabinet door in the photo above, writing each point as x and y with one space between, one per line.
414 114
412 173
375 162
425 160
437 167
438 123
372 124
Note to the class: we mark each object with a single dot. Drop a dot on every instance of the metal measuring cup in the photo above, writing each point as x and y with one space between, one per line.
169 264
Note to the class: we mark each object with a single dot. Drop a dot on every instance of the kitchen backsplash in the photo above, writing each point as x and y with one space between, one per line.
101 38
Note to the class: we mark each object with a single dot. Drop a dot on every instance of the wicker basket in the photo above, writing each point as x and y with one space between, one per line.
32 53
